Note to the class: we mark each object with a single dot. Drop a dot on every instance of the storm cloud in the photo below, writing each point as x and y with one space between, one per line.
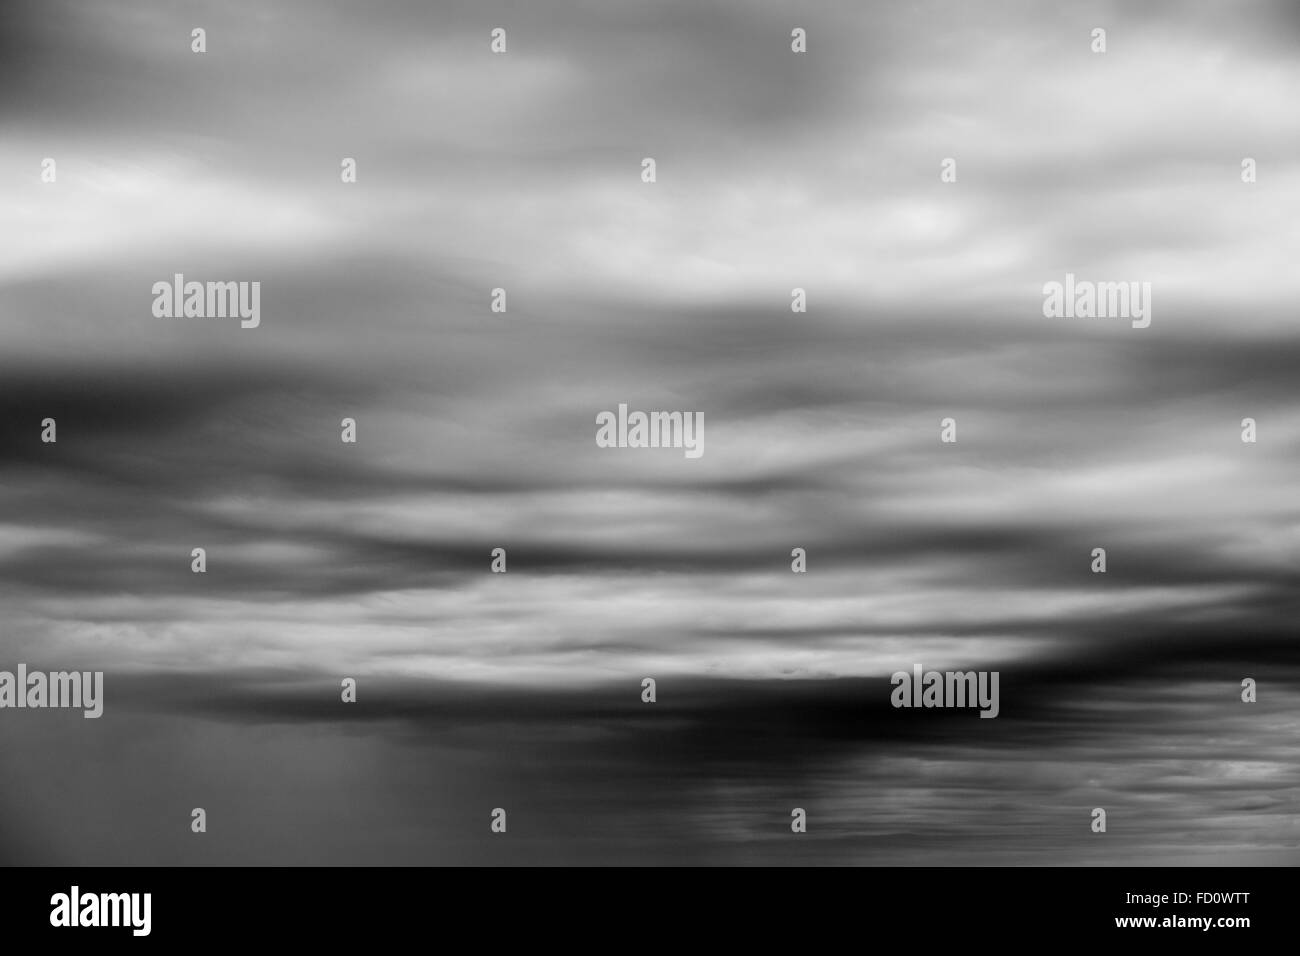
475 430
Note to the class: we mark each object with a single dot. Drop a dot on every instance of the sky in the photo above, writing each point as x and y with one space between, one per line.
775 170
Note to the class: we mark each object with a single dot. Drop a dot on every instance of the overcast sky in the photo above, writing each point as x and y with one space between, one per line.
476 430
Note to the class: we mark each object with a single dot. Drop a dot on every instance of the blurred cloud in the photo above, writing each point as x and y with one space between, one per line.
476 429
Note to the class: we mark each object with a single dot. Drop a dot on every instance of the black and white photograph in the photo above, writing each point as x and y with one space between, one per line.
649 433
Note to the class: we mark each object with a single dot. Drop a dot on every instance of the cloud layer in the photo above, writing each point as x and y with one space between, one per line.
476 429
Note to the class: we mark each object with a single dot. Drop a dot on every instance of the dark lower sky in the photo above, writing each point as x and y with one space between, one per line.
476 430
